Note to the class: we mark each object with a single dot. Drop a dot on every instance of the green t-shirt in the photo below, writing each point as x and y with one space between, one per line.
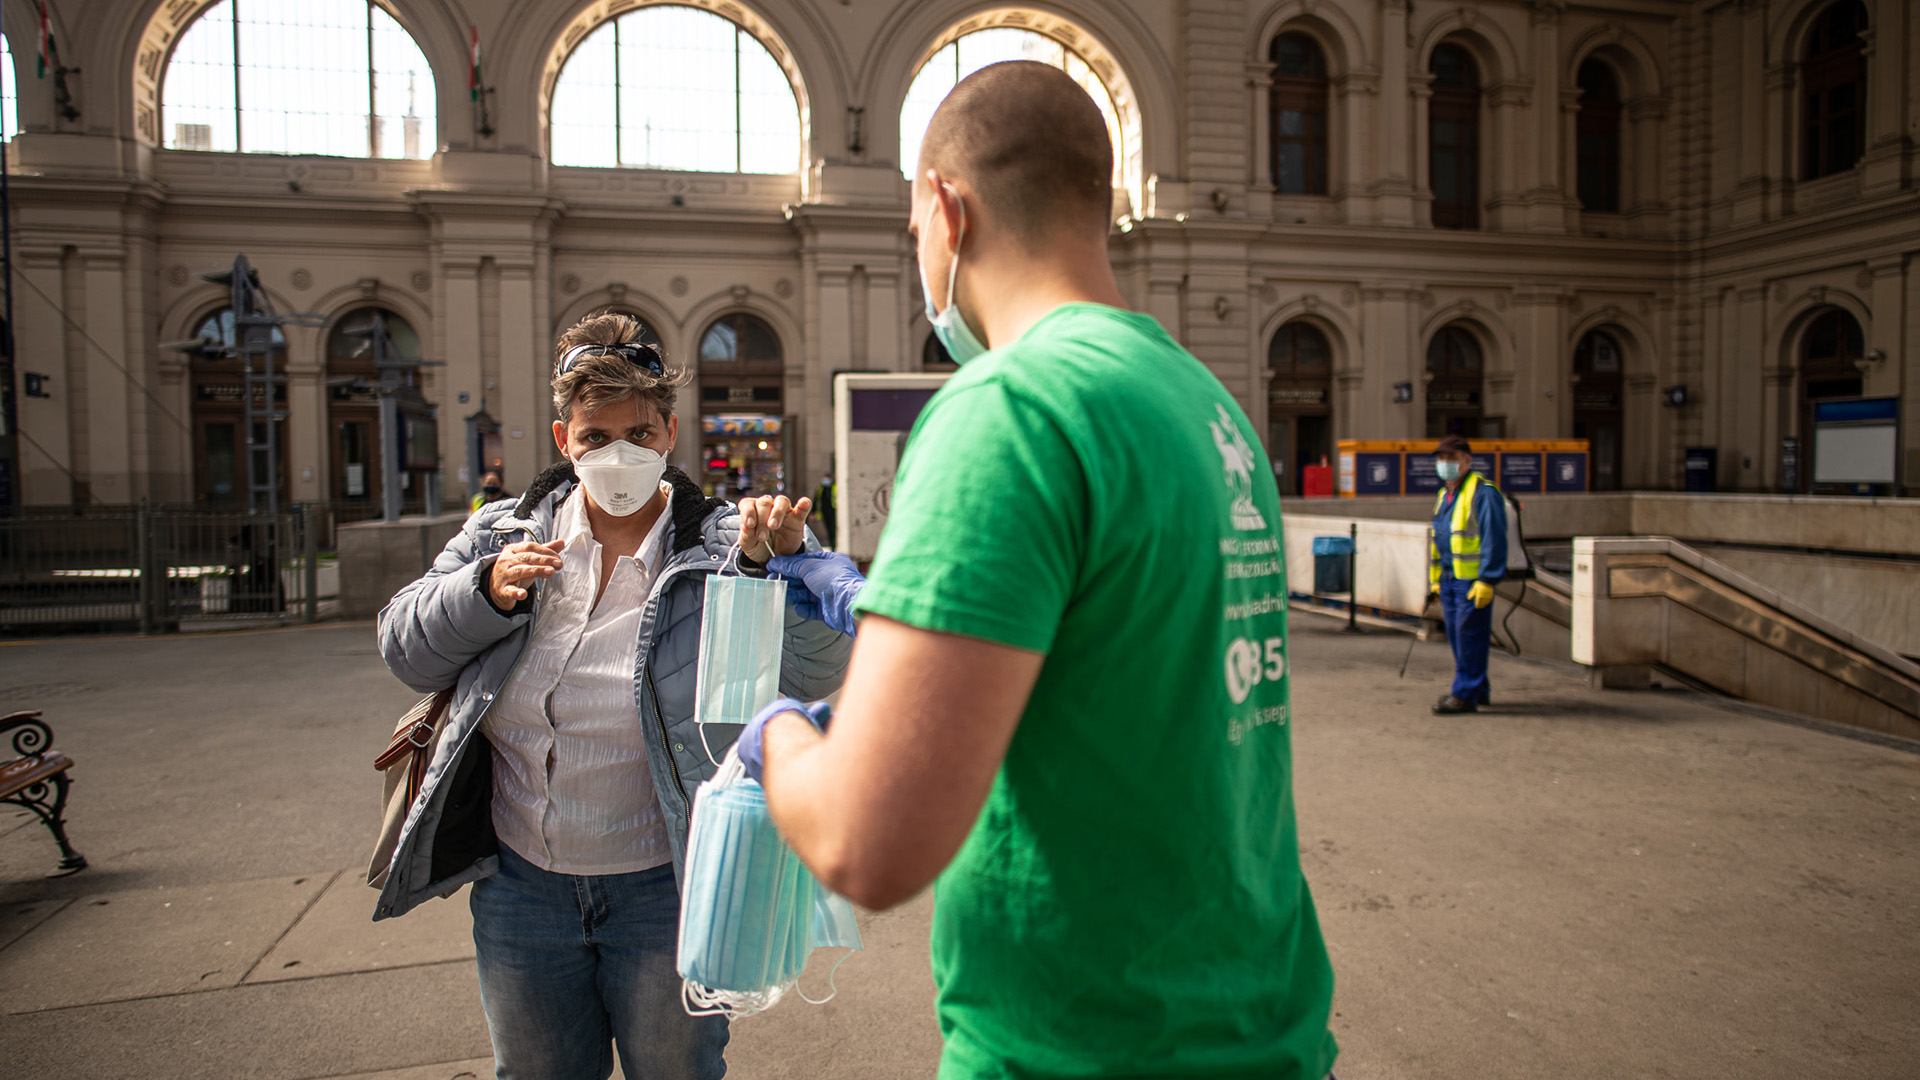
1130 901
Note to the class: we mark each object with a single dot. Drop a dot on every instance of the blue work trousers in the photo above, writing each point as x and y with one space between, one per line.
572 967
1469 635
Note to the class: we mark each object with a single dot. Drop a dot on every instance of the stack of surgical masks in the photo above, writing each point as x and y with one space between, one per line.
750 912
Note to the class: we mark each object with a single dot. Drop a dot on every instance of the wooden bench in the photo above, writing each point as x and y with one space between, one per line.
36 778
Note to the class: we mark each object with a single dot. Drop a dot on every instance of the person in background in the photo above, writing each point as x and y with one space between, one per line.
826 511
1468 547
1069 700
569 625
492 486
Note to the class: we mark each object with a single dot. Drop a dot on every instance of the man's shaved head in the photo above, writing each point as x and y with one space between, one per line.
1031 142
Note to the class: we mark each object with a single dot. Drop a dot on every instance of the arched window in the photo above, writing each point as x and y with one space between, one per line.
1833 91
334 77
1454 372
1597 413
1297 116
1597 139
356 443
675 87
742 374
971 52
1299 420
1453 138
219 413
9 92
1831 352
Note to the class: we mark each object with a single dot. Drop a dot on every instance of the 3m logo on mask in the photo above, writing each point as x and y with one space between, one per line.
1237 463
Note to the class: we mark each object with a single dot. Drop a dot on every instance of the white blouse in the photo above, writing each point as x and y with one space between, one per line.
571 789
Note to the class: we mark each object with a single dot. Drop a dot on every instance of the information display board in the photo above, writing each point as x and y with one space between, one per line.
872 416
1519 466
1857 441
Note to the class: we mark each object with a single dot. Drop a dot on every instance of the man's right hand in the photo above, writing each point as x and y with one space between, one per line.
516 569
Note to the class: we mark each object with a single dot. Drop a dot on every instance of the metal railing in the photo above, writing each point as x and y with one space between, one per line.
160 569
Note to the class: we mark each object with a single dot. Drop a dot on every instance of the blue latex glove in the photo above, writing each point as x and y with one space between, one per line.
831 582
752 752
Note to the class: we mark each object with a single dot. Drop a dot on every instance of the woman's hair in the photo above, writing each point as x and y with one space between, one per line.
594 381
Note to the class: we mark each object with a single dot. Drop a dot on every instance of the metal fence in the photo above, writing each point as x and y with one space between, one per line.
159 569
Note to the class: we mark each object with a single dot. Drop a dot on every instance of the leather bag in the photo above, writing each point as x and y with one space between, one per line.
405 762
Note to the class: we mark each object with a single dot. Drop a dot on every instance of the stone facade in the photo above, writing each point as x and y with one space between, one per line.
1718 257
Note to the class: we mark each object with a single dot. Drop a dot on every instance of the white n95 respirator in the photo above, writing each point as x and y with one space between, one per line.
622 476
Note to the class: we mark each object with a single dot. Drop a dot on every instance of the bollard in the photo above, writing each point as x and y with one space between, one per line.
310 560
1353 581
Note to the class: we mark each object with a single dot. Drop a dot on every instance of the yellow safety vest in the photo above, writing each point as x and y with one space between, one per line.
1465 547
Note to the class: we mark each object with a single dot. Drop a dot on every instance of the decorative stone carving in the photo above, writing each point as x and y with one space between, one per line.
617 292
569 283
302 279
1310 303
679 285
421 281
739 293
177 276
369 287
1348 297
783 288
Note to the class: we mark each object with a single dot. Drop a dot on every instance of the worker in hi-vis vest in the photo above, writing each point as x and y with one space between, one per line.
1468 550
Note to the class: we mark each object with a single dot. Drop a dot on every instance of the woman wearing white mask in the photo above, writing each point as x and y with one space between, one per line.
569 624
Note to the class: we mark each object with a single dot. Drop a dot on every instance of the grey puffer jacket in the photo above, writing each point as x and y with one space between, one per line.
442 631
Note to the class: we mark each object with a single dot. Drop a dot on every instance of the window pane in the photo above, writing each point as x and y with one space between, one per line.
1293 123
757 340
677 90
1445 133
1293 168
582 113
9 92
303 77
1310 349
688 89
197 107
718 346
406 125
769 115
1446 180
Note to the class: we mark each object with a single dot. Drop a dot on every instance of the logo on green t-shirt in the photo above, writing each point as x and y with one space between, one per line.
1237 462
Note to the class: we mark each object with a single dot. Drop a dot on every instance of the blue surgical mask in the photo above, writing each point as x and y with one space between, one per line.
1448 470
949 325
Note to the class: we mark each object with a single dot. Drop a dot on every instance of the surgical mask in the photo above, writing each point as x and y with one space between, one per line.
491 491
622 477
1448 470
949 325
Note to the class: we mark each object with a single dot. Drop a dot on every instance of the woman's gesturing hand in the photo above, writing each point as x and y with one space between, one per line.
772 521
518 567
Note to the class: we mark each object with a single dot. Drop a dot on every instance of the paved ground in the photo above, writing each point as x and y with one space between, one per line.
1579 884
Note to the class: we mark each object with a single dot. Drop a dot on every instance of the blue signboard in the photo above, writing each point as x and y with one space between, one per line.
1520 472
1567 471
1421 479
1376 474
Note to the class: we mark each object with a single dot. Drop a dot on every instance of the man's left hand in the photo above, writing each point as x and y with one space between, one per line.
752 748
1480 593
771 525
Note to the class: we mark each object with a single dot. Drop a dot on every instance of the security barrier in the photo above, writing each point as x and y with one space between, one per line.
157 570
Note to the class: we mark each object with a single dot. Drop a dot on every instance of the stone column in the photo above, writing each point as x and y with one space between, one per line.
1886 71
1550 192
1570 158
1356 108
1390 324
1755 105
1260 185
1398 179
46 423
1420 189
1504 160
1908 361
305 428
110 389
1543 369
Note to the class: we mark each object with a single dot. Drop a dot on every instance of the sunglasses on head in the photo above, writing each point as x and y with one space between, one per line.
633 352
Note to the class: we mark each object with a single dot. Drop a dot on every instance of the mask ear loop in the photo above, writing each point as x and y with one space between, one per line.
833 990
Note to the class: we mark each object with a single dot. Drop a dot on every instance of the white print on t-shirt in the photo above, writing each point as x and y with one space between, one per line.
1236 462
1248 665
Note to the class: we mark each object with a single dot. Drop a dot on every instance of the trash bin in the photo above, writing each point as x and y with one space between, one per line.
1332 558
1703 468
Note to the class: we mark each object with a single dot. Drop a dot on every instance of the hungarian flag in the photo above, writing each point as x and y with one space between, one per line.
473 64
46 44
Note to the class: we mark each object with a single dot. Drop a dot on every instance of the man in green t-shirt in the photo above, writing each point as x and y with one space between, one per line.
1069 697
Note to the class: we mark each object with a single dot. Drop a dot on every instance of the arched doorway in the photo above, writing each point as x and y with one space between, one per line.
1597 406
1830 353
1453 138
356 445
1455 372
219 436
742 371
1299 419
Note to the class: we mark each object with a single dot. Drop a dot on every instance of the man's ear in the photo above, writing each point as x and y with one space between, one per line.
560 437
948 207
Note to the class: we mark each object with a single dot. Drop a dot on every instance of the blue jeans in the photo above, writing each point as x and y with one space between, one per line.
571 964
1470 635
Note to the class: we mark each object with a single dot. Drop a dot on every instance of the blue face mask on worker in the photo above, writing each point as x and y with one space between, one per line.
1449 470
949 325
